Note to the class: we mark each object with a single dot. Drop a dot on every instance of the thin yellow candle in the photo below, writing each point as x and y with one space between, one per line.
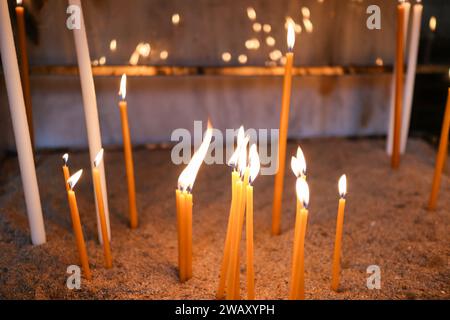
284 122
298 267
441 156
254 165
184 207
127 150
339 225
226 252
24 67
66 170
101 209
76 223
399 57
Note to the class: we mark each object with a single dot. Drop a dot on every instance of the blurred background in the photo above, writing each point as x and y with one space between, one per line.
190 60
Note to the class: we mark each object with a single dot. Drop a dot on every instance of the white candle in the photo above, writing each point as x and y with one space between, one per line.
390 136
410 74
20 127
90 109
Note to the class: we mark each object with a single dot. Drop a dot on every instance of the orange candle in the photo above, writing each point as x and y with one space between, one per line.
395 160
101 209
284 122
226 252
24 68
441 156
184 207
298 265
337 243
127 150
76 223
66 171
254 165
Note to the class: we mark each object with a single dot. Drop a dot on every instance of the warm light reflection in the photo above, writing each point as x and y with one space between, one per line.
267 28
123 86
19 2
252 44
257 27
305 12
113 45
242 59
275 55
308 25
270 41
98 158
433 23
379 62
302 190
72 181
342 186
143 49
298 28
187 177
251 13
176 19
163 55
102 60
134 59
254 163
226 56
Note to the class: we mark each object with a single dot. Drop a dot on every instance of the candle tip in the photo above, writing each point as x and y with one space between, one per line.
65 158
72 181
98 158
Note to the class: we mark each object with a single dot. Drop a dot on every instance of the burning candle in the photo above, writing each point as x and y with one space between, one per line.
284 122
127 150
24 68
298 265
184 202
254 165
233 283
226 252
90 108
339 225
298 164
395 160
65 169
20 127
441 156
72 181
101 209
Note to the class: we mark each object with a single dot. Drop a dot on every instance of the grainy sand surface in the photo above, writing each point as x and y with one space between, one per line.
386 224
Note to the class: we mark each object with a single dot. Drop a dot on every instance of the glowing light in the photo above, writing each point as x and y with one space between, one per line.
123 86
176 19
433 23
19 2
72 181
308 25
65 158
113 45
95 63
342 186
134 59
240 139
275 55
242 59
305 12
297 28
102 60
254 163
251 13
187 177
270 41
302 190
379 61
163 55
257 27
291 36
252 44
98 158
298 164
226 56
267 28
143 49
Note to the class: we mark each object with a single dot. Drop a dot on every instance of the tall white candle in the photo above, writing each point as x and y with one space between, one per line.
90 109
20 127
390 135
411 73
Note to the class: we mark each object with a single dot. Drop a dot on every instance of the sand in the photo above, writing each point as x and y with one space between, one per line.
386 224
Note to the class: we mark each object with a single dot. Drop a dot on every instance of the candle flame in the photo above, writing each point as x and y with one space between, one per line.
123 86
240 138
98 158
254 163
298 164
72 181
187 177
19 2
302 190
242 161
342 185
65 158
290 35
